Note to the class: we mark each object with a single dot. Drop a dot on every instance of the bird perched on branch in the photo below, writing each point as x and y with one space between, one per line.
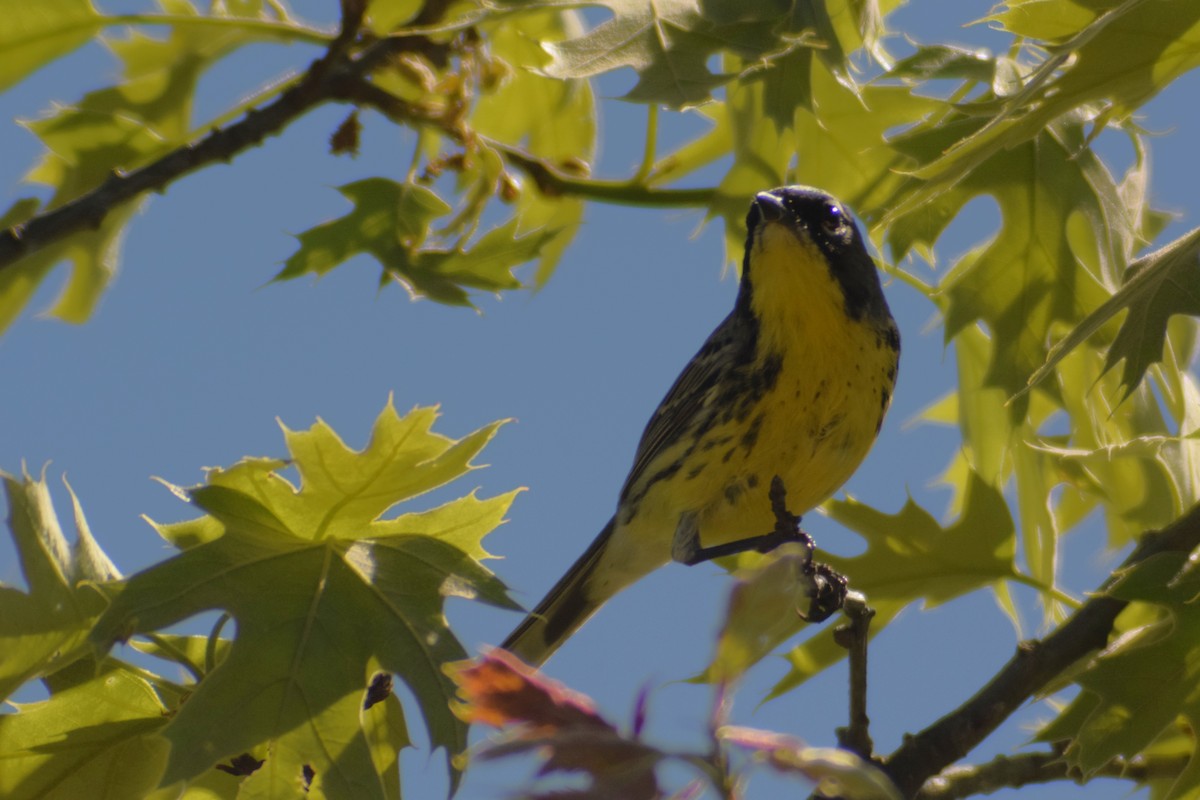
793 384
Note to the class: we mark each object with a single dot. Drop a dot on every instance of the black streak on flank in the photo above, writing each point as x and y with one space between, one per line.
889 336
751 435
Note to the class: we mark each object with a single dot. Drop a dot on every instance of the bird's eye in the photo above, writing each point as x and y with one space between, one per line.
832 219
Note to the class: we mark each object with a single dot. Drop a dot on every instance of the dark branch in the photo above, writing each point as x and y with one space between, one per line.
328 78
927 753
1017 771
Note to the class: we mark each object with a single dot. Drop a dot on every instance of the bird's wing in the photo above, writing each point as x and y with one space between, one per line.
689 400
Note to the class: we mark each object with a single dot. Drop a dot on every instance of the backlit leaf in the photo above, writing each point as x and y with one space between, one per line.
34 34
100 738
46 628
391 222
351 594
1145 681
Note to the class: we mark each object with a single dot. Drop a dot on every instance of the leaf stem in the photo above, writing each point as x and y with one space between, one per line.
648 150
155 678
173 653
1054 592
214 638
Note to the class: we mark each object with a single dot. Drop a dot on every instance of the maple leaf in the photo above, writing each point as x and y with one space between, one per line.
1028 278
1157 286
349 594
669 43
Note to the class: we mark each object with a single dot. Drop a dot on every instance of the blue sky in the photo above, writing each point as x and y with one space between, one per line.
191 358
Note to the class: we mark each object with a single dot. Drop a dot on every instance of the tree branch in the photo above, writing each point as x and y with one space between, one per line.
1014 772
326 79
856 737
1036 663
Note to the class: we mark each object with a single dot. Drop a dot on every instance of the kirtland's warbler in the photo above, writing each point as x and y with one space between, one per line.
794 383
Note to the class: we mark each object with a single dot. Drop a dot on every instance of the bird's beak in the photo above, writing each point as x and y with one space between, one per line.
770 207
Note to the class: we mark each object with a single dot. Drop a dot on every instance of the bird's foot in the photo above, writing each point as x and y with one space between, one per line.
828 591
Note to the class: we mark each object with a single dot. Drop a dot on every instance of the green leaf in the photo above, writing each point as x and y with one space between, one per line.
1125 56
945 62
910 557
1118 61
350 593
390 221
46 629
1050 20
670 43
100 738
1145 681
1030 277
34 34
194 651
388 217
1157 286
1109 457
385 16
667 43
387 735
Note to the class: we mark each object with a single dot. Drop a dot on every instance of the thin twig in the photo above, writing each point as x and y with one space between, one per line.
856 737
1013 772
1035 664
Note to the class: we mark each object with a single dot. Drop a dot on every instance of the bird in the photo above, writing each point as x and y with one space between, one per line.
791 387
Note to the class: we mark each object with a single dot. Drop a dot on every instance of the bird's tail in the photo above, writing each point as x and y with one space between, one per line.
564 608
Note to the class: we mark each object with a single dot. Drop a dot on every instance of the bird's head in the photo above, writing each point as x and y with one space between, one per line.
794 230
